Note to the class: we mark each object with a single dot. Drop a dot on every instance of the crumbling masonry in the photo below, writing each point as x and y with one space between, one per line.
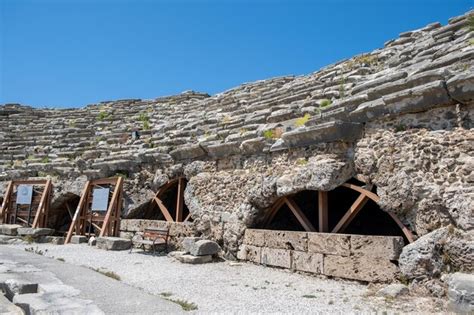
397 121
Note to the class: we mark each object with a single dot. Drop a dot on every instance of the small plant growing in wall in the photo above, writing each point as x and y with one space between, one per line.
301 162
102 115
145 121
300 122
269 134
325 103
226 120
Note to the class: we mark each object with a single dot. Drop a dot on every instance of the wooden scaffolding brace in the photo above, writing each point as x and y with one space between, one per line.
181 183
322 210
86 219
34 211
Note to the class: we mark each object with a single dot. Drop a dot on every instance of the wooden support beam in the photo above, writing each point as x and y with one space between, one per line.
6 201
323 211
273 211
302 219
405 230
180 200
163 209
351 213
75 220
362 190
114 202
187 217
40 212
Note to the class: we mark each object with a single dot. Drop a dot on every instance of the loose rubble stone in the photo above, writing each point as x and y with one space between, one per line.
194 260
78 239
9 229
188 243
393 290
204 248
34 232
113 243
461 292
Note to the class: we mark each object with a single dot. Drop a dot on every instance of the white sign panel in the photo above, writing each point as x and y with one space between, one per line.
100 199
24 194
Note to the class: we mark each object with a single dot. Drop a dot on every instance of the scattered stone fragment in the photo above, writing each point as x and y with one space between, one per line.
113 243
34 232
393 290
204 248
78 239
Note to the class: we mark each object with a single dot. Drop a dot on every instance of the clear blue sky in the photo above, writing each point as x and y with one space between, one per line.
71 53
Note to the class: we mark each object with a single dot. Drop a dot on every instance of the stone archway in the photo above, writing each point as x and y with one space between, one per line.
321 211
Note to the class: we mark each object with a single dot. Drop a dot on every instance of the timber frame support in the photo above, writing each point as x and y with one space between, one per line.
322 210
87 221
179 215
35 213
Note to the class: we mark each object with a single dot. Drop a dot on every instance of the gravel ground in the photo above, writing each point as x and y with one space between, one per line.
229 287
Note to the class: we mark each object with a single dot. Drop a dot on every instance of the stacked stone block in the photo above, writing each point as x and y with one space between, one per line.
356 257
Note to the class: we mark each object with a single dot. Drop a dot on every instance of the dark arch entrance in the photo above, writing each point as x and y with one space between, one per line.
350 208
168 203
62 212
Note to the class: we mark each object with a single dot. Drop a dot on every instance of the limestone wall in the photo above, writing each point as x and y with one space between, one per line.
399 118
356 257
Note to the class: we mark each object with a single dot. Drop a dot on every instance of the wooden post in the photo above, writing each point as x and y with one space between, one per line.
6 201
163 209
41 211
113 203
302 219
75 220
351 213
180 200
323 211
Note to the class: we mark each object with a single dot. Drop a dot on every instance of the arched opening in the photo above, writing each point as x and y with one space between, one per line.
62 211
168 203
350 208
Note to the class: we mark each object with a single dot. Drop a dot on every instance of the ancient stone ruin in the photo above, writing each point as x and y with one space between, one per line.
361 170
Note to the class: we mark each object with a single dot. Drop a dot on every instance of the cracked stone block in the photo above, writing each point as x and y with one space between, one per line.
188 243
325 132
250 253
15 286
113 243
461 87
7 307
194 260
54 303
276 257
370 269
188 152
381 246
34 232
56 240
204 248
254 237
78 239
461 292
10 229
308 262
329 244
286 240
